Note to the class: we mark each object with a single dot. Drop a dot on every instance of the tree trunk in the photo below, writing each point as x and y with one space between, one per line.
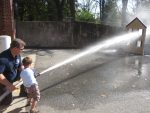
72 8
124 8
59 5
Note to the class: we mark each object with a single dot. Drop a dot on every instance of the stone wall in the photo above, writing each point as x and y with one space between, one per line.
62 34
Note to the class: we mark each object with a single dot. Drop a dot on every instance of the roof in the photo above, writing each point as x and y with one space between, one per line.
136 23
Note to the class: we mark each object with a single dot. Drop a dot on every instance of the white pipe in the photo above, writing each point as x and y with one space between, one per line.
7 92
17 85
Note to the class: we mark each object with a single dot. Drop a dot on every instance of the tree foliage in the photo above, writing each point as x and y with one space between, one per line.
110 13
84 11
101 11
35 10
85 15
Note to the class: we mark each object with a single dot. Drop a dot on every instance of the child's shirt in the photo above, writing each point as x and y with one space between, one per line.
28 77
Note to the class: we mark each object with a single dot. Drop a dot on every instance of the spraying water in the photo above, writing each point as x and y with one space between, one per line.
102 45
147 33
97 47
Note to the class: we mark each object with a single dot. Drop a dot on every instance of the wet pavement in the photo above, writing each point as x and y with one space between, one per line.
103 82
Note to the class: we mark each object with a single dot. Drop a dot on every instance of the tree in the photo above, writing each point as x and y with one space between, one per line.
101 7
59 7
72 8
26 10
124 8
35 10
110 13
85 16
69 9
85 10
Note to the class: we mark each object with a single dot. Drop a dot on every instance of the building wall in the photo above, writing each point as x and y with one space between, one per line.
6 18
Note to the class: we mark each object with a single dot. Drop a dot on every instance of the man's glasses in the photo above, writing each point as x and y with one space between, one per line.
21 49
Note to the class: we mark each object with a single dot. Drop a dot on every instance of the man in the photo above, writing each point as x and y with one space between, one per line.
10 67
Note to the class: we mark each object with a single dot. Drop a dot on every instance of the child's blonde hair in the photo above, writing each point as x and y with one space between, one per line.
27 61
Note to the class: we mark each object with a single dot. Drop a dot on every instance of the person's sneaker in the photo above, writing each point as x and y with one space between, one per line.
34 111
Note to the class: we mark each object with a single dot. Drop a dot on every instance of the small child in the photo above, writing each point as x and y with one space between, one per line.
30 83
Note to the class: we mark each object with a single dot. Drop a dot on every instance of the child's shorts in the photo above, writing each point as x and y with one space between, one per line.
33 92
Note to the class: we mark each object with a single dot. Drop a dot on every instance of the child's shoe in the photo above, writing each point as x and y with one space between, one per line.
34 111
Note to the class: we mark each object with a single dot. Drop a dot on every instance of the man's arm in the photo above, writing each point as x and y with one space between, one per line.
5 82
21 68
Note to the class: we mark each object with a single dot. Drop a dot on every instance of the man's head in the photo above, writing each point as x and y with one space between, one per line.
16 46
17 43
27 61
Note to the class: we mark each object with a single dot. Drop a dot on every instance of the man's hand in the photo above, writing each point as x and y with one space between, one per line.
11 87
5 82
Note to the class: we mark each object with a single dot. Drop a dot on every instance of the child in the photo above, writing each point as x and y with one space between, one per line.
30 83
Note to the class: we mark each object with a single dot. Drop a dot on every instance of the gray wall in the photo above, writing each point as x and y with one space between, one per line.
62 34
